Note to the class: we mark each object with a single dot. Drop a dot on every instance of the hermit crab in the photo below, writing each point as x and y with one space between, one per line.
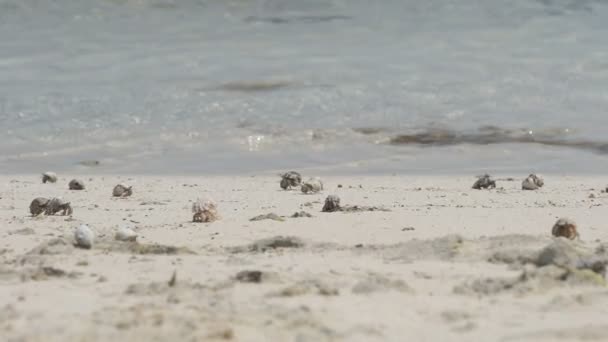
50 206
38 205
49 177
56 205
121 190
532 182
290 180
332 203
484 182
76 184
565 228
204 211
311 186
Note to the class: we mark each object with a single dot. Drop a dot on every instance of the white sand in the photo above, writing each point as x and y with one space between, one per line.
408 280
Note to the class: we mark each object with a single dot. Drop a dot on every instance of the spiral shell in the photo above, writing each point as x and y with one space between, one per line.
332 203
312 186
38 206
76 184
290 180
121 190
484 182
204 211
565 228
532 182
49 177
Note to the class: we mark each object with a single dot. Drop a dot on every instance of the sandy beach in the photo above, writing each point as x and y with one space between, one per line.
434 261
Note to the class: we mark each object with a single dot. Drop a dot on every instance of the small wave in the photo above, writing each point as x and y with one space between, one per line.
309 19
488 135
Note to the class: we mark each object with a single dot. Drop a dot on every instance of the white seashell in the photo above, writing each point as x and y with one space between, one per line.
50 177
84 237
312 186
125 233
121 190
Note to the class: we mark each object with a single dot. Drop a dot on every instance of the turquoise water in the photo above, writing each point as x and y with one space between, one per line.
254 86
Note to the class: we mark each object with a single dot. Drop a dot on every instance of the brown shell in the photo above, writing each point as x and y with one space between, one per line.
122 190
76 184
204 211
332 203
532 182
565 228
484 182
290 180
38 206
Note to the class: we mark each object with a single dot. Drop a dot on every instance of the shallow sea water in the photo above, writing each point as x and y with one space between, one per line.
253 86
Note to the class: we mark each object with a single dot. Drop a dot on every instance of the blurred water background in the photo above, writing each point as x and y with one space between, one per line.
346 86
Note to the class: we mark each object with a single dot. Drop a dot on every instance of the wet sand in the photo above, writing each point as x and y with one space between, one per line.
442 262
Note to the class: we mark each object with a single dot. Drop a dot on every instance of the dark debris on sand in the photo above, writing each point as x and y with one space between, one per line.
276 242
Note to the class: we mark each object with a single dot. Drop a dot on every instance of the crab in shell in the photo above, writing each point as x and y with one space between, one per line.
121 190
50 206
204 211
312 186
484 182
332 203
565 228
532 182
56 205
290 180
50 177
38 205
76 184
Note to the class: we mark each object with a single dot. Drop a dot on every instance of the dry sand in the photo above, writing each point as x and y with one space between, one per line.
446 263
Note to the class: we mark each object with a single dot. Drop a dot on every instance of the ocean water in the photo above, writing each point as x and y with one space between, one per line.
249 86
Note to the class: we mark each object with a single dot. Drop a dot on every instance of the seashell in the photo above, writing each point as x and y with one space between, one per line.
532 182
84 237
38 206
484 182
204 211
50 177
125 233
332 203
290 180
312 186
565 228
56 205
121 190
76 184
